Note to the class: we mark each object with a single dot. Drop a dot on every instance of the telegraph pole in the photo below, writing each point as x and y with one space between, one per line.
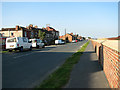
65 35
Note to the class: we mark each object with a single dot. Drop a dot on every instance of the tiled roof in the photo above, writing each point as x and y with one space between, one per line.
6 29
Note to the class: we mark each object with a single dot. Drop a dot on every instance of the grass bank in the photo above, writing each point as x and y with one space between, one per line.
3 51
61 76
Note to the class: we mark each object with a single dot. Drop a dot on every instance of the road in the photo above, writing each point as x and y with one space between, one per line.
29 68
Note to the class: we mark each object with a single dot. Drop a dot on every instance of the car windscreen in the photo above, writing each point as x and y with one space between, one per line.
11 40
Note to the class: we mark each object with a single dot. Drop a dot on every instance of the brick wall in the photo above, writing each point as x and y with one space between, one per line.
108 58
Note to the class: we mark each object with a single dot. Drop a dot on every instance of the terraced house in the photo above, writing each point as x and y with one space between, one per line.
31 32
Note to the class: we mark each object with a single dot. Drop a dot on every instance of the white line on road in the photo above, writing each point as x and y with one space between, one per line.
23 55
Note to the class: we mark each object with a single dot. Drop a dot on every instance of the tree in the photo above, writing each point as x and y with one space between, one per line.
77 35
89 37
41 35
84 38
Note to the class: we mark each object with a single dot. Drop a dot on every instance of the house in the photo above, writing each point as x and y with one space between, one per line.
79 37
68 37
30 32
53 31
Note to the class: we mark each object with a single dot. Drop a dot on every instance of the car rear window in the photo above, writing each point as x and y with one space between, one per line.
11 40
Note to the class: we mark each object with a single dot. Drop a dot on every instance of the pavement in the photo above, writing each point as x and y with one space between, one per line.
29 68
87 73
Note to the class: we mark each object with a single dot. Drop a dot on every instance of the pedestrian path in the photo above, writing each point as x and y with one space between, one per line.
87 73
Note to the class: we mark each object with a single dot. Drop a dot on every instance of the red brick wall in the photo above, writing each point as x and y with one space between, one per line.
111 64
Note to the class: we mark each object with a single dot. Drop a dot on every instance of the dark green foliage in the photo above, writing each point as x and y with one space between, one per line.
41 35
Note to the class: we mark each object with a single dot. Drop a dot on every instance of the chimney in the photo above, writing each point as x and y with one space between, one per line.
27 27
17 27
71 33
30 25
36 26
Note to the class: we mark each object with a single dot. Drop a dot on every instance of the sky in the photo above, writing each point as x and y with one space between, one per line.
94 19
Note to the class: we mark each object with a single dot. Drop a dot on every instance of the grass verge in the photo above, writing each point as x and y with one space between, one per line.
3 51
61 76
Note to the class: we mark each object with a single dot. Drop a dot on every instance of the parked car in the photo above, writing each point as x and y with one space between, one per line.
59 42
37 43
73 41
18 43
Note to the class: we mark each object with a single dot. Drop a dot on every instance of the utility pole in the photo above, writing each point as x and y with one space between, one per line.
65 35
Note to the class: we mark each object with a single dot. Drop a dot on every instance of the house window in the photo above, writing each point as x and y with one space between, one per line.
48 35
3 34
31 34
11 34
36 34
25 34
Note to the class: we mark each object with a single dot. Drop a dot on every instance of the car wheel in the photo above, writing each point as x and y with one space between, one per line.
10 50
43 46
21 49
30 48
37 46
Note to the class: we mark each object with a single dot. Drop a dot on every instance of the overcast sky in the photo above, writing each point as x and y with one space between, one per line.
94 19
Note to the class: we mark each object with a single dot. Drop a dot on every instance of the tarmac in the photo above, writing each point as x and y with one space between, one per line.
87 73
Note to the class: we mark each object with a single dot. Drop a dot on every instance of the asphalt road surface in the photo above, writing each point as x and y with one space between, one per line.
29 68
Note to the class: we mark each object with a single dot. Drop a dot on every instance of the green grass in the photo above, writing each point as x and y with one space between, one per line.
60 77
6 51
3 51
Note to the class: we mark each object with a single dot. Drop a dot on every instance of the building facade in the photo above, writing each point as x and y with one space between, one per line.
31 32
69 37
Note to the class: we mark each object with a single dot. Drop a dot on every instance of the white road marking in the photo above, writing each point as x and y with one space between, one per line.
23 55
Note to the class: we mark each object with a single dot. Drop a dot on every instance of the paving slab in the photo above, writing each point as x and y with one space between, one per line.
87 73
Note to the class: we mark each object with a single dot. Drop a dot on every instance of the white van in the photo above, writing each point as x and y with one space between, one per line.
37 43
18 43
59 42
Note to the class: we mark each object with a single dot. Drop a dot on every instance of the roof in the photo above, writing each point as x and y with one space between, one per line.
24 28
60 36
6 29
52 29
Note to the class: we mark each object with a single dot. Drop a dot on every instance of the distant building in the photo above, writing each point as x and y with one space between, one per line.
68 37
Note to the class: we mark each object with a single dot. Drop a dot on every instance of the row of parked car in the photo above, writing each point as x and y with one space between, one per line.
21 43
62 42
